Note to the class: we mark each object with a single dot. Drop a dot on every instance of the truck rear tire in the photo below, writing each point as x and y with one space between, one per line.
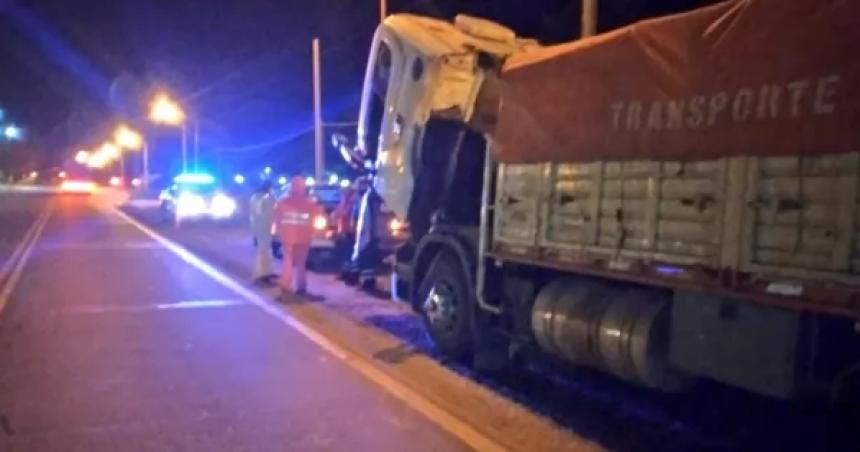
446 306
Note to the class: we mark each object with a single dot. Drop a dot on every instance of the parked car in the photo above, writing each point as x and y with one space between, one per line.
327 247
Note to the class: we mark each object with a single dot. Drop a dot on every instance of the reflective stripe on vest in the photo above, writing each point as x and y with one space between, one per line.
296 218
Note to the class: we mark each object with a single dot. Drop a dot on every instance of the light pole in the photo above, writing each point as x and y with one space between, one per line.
589 18
163 110
127 138
196 146
319 154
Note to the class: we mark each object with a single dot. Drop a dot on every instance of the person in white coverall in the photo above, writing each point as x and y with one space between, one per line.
262 212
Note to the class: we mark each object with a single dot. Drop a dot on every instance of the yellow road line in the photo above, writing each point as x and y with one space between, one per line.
446 420
26 248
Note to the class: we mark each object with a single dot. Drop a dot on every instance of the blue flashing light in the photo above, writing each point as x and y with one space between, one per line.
239 179
12 132
333 179
267 170
194 178
282 180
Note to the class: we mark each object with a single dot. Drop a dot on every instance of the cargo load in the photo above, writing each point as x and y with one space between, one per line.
743 77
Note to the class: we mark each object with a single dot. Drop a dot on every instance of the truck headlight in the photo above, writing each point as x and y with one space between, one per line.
222 206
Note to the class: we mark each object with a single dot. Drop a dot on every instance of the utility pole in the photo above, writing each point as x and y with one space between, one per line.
196 145
184 147
589 18
145 164
383 10
319 156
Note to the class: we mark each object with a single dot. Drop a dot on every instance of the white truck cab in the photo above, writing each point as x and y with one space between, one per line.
419 68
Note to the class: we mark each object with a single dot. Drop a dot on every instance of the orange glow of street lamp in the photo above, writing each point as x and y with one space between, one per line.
110 151
164 110
82 156
97 160
127 138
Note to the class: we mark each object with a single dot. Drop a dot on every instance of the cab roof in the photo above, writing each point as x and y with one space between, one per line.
435 37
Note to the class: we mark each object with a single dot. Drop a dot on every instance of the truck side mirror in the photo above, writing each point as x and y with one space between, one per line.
339 140
352 155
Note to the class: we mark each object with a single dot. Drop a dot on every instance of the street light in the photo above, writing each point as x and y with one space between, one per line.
110 150
97 160
164 110
128 138
82 157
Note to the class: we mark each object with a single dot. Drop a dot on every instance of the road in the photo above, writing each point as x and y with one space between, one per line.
119 332
111 341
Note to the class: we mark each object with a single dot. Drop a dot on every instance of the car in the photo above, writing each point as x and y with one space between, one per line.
327 246
195 196
77 187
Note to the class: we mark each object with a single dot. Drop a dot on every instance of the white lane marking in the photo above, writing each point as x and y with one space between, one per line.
18 268
5 188
192 304
449 422
103 246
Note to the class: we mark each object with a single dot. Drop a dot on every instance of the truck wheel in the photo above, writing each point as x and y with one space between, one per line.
446 306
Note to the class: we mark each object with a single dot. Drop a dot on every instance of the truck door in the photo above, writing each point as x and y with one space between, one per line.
380 123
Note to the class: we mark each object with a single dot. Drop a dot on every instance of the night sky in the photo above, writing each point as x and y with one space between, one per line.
70 69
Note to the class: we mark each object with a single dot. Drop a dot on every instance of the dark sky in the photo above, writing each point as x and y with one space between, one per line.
69 69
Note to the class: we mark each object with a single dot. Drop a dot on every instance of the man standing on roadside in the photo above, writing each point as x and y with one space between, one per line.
262 211
294 216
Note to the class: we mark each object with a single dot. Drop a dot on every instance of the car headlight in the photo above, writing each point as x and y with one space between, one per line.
395 225
320 223
222 206
190 205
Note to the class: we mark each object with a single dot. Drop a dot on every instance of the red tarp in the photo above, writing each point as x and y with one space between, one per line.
744 77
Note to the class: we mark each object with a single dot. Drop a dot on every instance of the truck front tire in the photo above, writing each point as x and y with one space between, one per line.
446 306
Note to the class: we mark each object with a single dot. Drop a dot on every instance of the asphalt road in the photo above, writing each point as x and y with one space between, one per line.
126 333
109 340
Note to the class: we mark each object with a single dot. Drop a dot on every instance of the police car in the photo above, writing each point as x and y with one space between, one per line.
194 196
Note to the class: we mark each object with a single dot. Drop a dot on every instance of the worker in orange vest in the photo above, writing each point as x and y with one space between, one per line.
294 216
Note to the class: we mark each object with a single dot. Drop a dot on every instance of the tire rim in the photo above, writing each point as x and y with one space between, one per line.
441 307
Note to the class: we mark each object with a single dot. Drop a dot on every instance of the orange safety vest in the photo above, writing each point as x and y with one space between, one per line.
294 216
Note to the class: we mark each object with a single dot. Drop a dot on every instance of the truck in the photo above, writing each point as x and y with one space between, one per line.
670 201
